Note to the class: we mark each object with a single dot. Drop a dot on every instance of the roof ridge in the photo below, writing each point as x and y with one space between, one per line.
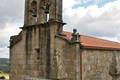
94 42
90 36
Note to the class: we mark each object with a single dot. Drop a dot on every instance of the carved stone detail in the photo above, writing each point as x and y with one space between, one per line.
59 65
75 36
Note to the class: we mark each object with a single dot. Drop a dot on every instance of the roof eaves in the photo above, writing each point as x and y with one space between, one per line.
100 48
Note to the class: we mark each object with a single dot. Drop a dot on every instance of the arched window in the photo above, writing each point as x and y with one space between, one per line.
46 10
34 8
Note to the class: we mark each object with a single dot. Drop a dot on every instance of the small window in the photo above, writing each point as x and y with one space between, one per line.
34 8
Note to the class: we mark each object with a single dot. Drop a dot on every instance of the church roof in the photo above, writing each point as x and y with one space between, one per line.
95 43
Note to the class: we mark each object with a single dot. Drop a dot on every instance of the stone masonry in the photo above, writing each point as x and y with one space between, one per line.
43 51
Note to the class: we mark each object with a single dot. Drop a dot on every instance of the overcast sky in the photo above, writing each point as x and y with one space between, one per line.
99 18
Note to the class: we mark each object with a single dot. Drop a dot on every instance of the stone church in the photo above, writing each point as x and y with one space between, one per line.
43 51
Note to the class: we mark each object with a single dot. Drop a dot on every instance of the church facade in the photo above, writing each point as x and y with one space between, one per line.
43 51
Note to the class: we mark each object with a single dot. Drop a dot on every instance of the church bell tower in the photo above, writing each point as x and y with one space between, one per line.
40 11
42 22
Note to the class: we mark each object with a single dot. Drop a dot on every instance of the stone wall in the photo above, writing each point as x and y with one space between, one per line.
28 56
70 61
30 59
18 59
38 54
96 64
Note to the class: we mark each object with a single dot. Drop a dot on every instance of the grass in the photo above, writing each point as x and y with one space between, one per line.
6 75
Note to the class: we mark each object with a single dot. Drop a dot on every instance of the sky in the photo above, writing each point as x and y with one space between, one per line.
98 18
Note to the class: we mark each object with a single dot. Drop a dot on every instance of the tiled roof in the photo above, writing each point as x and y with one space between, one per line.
95 43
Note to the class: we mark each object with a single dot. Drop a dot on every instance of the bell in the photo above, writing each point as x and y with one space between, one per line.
47 9
34 13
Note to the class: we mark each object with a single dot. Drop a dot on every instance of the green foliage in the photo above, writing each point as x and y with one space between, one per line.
6 75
